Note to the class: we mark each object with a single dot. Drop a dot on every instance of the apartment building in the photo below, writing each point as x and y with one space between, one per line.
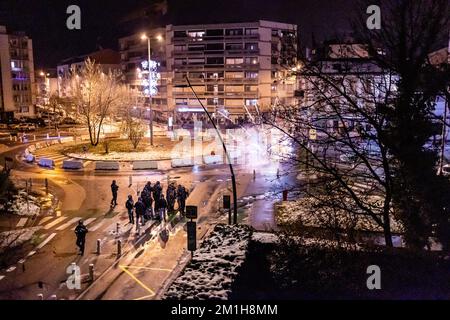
135 70
236 69
46 86
17 82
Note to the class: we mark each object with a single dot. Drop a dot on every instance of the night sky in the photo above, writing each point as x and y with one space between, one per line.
102 22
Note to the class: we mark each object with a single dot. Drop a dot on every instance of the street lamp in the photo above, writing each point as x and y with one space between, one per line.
159 38
233 179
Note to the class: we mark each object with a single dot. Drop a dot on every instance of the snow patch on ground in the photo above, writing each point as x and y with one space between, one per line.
289 212
21 207
14 238
213 268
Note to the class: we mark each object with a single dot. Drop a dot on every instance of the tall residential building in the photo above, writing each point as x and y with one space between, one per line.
17 86
236 69
135 69
109 60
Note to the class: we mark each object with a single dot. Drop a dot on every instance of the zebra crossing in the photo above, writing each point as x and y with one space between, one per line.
57 158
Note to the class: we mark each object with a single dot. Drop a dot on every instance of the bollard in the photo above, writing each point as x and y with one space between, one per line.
15 138
98 246
40 296
22 265
34 137
91 272
117 228
254 174
30 184
10 138
119 248
48 136
278 173
285 195
46 185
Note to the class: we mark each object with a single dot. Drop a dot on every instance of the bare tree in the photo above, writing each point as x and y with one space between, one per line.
369 117
96 95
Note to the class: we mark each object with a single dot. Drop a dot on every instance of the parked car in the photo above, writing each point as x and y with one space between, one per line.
13 126
69 120
23 127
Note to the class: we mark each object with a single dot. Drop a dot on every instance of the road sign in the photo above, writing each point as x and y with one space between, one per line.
191 235
226 201
191 212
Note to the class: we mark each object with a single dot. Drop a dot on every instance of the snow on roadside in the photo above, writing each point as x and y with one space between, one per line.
22 208
212 270
14 238
301 210
272 238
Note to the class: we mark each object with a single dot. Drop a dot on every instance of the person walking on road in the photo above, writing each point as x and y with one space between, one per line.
170 197
157 191
80 232
140 211
162 205
130 205
182 194
114 190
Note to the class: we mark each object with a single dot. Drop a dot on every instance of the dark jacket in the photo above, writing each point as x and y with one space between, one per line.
129 204
162 203
114 188
140 208
81 231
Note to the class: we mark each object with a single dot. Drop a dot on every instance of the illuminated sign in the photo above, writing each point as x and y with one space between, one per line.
150 88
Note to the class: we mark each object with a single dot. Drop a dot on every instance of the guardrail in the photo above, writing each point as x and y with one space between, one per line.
107 165
45 162
145 165
72 164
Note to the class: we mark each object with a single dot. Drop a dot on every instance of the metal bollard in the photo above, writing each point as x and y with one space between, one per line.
91 272
48 136
278 173
254 174
119 248
10 138
117 228
99 243
46 185
40 296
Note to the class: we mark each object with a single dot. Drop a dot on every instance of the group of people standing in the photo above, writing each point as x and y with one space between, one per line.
151 203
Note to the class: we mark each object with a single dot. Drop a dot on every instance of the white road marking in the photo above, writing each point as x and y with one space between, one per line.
50 237
2 277
54 223
89 221
21 261
68 224
86 163
22 222
31 253
98 225
44 220
11 269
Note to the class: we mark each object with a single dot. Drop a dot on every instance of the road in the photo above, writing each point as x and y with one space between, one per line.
146 262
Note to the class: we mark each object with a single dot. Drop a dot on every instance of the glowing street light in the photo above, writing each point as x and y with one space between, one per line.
159 38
